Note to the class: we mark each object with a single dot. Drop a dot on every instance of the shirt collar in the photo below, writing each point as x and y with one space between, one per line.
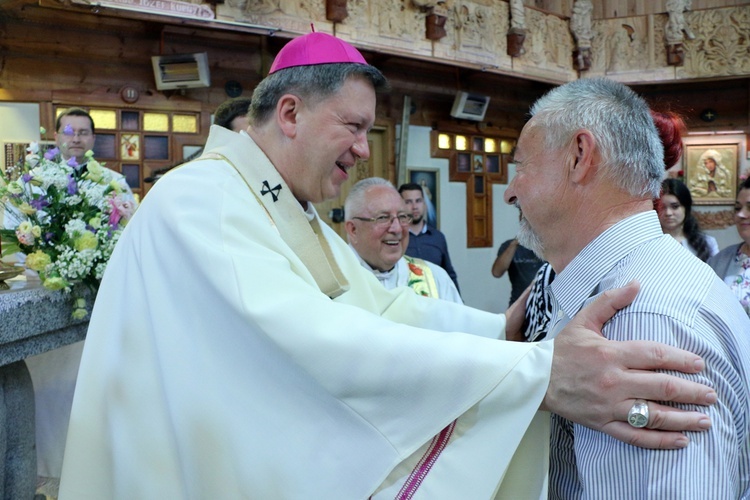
425 229
378 274
579 280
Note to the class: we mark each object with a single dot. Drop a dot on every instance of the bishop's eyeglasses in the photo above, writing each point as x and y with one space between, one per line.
386 220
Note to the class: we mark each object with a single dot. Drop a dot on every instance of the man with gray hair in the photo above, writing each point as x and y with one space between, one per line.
589 163
377 228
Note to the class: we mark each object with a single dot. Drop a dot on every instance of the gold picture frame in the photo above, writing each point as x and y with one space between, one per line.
711 171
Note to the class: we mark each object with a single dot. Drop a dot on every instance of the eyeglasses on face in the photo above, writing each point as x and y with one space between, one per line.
78 133
387 220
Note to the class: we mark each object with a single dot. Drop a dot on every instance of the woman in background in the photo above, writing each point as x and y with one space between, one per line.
675 215
733 263
676 203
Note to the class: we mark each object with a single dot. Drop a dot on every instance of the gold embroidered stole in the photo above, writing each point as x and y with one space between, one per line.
421 278
303 236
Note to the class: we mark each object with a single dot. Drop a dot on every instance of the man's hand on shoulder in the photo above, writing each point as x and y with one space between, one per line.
595 382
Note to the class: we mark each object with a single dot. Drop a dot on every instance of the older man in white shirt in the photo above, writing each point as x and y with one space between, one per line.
377 228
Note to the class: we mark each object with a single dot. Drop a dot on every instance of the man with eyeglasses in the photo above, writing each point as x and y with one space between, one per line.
377 227
74 134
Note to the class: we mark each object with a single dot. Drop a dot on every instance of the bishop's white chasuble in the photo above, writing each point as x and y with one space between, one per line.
216 367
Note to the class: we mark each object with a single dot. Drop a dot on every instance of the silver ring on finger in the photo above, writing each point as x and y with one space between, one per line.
638 414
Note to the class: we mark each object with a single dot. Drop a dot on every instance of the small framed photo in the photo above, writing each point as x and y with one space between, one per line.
711 171
130 147
429 179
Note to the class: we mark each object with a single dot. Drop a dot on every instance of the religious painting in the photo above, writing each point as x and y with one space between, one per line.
130 147
463 162
711 172
429 179
478 163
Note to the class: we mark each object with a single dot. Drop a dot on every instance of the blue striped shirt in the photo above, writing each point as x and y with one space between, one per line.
682 303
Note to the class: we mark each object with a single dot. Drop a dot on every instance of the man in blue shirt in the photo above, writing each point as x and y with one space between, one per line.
425 241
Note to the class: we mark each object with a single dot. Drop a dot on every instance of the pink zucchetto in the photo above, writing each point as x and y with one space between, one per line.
316 48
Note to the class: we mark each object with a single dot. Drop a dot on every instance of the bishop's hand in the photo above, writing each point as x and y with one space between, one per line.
596 382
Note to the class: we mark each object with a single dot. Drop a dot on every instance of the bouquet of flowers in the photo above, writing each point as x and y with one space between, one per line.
64 221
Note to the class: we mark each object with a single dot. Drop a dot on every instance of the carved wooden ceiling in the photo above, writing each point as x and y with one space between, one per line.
124 38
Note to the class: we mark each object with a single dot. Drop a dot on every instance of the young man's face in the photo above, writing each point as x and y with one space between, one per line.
414 200
75 137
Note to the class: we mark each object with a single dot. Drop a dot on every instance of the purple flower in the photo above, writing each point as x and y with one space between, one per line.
72 186
27 177
49 236
72 162
68 130
39 203
51 153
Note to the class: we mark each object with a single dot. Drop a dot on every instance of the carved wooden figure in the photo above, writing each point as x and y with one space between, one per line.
580 26
336 10
517 32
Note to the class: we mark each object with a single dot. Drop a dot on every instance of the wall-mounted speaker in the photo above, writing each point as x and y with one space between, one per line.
470 106
181 71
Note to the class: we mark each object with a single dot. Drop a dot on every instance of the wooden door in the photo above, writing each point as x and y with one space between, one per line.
376 166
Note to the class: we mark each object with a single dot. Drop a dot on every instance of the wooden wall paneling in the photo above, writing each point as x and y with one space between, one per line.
729 99
608 9
559 7
106 52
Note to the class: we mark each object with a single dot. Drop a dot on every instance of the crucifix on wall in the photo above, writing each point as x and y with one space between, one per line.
479 161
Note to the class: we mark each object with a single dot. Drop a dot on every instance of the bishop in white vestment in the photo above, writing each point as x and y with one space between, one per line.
237 349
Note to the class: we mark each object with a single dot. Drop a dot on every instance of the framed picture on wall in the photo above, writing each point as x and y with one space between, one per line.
130 147
429 179
711 171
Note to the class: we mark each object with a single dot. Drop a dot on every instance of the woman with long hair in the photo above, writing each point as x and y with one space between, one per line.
676 203
675 214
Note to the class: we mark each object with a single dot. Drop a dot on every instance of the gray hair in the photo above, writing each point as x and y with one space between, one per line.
355 200
621 123
310 83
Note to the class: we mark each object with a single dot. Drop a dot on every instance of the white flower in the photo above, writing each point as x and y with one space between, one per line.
32 159
15 187
74 200
75 228
44 211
